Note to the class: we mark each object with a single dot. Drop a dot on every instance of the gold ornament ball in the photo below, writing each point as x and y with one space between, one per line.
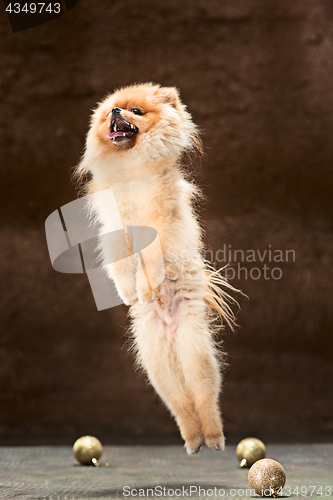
249 450
266 476
87 448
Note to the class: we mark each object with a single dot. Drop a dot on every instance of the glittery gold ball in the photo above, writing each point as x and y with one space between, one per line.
249 450
266 476
86 448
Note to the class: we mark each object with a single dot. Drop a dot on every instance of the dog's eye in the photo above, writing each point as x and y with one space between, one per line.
136 111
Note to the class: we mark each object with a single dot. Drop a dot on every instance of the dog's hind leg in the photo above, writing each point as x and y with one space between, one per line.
198 359
154 342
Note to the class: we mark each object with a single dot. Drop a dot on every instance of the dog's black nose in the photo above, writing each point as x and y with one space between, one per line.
116 111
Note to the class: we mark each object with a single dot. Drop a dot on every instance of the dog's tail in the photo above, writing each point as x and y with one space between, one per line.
218 298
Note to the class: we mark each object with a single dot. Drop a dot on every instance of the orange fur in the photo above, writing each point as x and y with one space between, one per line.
172 324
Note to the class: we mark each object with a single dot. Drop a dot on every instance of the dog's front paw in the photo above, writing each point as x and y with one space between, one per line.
131 302
144 290
215 442
126 290
148 297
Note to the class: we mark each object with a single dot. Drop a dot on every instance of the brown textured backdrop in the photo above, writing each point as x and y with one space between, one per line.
257 77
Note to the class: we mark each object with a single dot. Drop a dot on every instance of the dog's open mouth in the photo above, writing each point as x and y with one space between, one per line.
121 129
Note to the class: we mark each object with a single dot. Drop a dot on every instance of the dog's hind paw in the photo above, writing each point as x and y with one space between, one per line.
215 442
194 445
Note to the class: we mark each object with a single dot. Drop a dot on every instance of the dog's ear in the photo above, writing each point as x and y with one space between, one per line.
171 96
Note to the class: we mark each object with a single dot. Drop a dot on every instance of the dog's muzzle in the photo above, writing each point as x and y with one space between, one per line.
120 128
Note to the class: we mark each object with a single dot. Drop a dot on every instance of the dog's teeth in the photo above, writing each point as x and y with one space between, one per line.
131 125
126 122
124 134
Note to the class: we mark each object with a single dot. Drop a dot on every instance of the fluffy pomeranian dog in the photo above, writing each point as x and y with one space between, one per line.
135 145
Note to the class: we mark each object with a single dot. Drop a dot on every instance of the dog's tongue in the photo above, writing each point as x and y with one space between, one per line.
114 134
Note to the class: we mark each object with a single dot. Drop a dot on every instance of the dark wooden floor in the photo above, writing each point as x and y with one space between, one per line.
51 472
